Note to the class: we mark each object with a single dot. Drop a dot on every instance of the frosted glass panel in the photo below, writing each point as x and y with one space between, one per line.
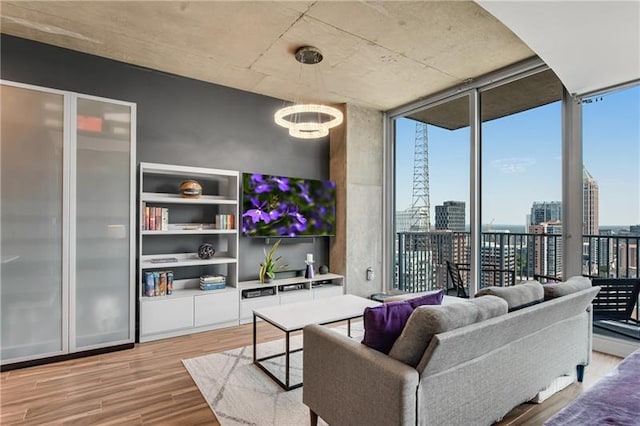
102 223
31 220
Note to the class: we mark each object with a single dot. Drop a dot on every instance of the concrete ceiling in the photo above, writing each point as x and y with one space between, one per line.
378 55
519 95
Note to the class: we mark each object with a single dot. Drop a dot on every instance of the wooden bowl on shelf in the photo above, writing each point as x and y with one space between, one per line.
190 189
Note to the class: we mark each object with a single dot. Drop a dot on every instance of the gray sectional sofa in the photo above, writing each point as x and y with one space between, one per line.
464 363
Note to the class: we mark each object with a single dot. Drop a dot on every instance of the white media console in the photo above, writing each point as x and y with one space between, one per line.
254 294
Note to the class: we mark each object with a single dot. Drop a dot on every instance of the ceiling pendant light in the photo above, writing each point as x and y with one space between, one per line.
308 121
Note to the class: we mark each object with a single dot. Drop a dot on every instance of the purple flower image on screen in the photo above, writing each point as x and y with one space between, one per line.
257 214
287 206
282 182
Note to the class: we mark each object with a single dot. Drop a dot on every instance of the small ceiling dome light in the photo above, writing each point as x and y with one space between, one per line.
308 121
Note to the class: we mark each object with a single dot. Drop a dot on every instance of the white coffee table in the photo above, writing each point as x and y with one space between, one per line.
295 316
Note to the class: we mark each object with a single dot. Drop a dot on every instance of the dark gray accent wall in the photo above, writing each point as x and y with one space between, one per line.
184 121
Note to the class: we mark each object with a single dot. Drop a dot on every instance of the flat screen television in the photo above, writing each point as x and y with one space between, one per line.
280 206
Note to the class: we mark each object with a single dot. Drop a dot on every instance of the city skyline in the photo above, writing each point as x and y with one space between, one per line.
517 174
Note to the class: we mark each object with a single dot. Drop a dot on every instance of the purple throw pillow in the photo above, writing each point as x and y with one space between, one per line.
431 298
383 324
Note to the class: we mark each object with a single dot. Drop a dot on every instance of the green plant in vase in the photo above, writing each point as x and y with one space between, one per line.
270 265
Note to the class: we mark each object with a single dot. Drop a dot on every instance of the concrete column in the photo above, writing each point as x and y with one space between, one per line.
356 165
571 184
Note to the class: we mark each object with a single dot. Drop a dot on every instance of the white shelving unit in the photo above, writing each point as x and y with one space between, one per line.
254 294
191 223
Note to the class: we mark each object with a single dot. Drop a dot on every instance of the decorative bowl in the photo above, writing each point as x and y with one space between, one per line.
190 189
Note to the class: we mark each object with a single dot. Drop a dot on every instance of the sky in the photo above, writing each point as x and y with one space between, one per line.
521 160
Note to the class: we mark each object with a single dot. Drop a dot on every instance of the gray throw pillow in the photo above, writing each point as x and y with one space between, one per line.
573 284
518 296
427 321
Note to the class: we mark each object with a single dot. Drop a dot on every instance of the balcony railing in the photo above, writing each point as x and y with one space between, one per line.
421 257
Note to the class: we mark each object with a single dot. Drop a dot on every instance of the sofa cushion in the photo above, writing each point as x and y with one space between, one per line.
384 323
573 284
427 321
518 296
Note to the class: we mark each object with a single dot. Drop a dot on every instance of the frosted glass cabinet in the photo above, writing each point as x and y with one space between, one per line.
67 265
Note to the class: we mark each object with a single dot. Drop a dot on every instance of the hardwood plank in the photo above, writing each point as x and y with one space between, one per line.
149 385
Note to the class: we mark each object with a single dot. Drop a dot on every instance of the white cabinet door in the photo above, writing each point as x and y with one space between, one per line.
32 212
295 296
159 316
216 308
103 212
327 291
248 305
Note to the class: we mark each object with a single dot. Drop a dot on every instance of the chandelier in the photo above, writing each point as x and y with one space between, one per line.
308 121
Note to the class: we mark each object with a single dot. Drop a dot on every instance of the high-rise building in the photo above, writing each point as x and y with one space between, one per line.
404 220
627 258
451 216
545 211
590 223
545 249
590 203
499 258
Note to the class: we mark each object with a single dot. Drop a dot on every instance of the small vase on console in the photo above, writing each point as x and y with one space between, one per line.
309 271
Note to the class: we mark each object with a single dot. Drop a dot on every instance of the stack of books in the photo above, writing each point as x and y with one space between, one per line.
212 282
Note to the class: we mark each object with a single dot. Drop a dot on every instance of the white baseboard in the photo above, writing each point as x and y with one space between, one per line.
613 346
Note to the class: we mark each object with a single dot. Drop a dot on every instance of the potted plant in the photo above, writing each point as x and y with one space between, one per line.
270 265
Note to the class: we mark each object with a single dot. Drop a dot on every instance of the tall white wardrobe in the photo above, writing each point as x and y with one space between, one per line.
67 221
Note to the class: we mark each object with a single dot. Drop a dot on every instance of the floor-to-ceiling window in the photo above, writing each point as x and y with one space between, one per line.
521 183
516 164
431 194
611 195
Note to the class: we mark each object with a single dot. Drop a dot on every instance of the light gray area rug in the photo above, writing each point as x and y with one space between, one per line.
239 393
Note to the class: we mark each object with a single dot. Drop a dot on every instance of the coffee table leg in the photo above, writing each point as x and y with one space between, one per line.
254 338
287 351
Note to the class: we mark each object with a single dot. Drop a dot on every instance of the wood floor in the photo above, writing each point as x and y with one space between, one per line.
149 385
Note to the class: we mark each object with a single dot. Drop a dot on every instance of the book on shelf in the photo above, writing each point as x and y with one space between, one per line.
149 284
152 218
225 221
216 278
163 260
190 226
169 282
164 223
163 283
156 219
212 286
145 216
158 283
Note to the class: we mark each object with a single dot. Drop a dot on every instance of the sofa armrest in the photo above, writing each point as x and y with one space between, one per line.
346 382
